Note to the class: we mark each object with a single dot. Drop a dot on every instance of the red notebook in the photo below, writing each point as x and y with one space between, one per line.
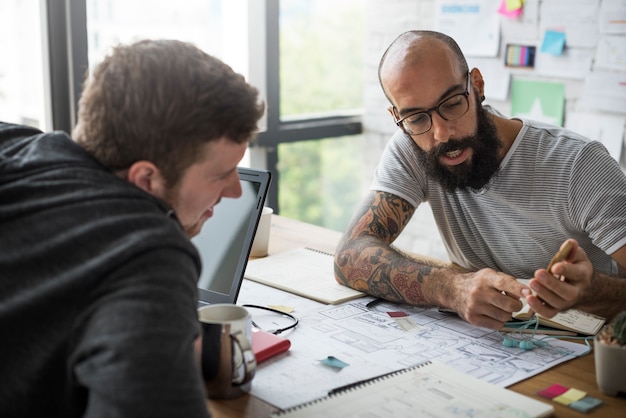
266 345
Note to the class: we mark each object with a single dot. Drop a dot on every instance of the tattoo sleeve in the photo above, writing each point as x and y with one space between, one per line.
366 260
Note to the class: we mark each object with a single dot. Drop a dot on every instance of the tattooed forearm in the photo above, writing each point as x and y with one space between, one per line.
366 260
389 215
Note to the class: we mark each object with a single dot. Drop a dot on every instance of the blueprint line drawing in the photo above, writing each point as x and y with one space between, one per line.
373 343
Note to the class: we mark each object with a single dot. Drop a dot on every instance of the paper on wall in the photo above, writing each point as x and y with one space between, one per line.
605 91
611 53
474 24
608 129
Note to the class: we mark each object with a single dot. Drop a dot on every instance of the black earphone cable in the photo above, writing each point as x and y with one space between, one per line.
285 314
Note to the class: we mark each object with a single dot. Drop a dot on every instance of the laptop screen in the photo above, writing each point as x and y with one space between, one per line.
226 239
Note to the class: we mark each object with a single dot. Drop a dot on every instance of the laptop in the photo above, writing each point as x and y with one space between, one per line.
226 239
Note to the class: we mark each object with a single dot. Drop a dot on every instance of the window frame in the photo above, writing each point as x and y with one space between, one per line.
66 49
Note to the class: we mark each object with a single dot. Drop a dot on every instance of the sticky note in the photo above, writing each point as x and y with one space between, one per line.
334 362
509 10
553 42
406 324
282 308
552 391
586 404
513 5
572 395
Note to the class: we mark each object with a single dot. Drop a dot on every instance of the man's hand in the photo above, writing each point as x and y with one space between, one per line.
564 285
487 298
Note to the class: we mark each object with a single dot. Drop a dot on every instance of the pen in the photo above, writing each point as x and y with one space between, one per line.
374 302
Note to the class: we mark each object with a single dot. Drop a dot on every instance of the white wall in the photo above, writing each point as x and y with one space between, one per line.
385 21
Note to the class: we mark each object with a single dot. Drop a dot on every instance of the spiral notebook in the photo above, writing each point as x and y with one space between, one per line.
303 271
430 389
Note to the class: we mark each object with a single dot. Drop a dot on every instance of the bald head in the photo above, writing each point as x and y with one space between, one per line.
413 48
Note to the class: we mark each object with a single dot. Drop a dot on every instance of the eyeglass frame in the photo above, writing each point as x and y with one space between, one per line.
400 124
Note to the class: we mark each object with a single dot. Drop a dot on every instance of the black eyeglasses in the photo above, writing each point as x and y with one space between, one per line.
451 108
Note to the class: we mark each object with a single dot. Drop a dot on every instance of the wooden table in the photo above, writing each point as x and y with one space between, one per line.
577 373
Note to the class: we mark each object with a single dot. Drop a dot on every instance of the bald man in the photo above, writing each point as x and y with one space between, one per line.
506 194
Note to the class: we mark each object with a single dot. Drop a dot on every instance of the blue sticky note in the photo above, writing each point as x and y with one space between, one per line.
586 404
334 362
553 42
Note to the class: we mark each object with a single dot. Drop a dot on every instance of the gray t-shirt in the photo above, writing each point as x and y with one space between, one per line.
552 185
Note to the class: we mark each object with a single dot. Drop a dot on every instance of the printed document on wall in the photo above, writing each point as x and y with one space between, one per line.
499 78
474 25
608 129
542 101
525 25
574 63
611 53
605 91
613 16
578 18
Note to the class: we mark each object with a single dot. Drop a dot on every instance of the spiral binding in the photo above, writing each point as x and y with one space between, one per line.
349 388
319 251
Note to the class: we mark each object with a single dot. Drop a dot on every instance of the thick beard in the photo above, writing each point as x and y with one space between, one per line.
479 169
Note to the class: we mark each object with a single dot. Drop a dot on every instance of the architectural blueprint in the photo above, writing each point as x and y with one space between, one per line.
372 343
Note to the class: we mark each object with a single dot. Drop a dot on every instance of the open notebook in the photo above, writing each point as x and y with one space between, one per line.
226 239
429 389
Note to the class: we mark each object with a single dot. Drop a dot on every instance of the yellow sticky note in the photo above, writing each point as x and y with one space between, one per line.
282 308
570 396
513 5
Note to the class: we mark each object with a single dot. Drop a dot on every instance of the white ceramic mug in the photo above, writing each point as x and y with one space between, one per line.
261 241
228 362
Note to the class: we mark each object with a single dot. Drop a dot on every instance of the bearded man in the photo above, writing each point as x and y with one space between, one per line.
506 194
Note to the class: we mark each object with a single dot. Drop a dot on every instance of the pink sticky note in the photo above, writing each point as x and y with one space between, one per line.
552 391
396 314
511 14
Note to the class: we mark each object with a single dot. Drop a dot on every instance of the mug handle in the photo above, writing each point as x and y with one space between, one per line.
248 364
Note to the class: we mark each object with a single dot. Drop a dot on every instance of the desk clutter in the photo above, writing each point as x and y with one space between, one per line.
343 344
339 345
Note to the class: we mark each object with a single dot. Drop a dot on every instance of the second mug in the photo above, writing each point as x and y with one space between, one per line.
228 362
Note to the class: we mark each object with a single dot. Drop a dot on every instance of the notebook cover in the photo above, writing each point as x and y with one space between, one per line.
266 345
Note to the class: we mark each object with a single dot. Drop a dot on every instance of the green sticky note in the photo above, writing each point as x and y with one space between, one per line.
541 101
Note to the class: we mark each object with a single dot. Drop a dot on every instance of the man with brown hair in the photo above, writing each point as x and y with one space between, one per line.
506 194
98 286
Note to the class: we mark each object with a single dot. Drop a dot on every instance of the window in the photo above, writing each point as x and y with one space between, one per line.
320 181
305 57
321 56
318 89
23 95
212 25
218 27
